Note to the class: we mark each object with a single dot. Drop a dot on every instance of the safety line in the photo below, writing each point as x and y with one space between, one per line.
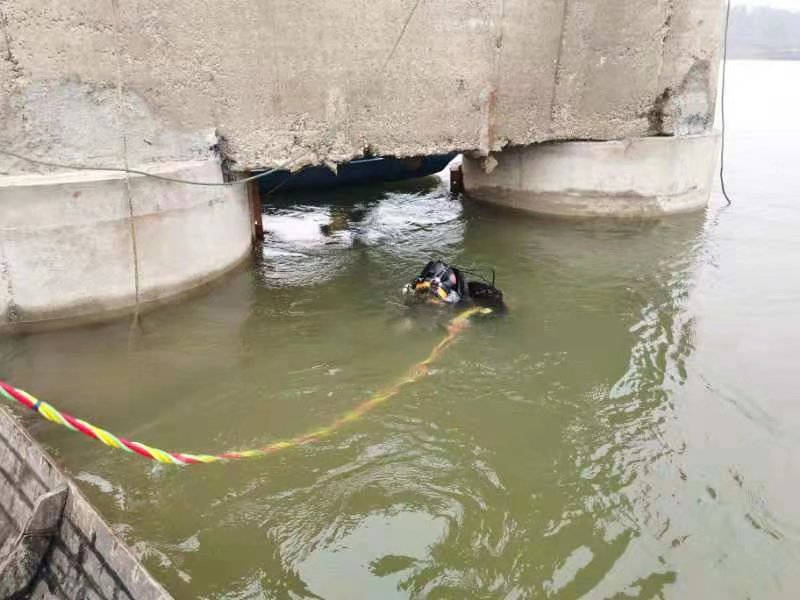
49 412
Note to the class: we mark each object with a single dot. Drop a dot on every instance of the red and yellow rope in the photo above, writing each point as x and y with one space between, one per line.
50 413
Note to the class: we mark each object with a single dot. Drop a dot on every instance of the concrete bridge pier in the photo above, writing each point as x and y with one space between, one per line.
176 85
83 245
634 177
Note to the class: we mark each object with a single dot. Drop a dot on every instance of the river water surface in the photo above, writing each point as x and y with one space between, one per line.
630 429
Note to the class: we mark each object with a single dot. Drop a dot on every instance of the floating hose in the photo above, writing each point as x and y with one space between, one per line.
420 369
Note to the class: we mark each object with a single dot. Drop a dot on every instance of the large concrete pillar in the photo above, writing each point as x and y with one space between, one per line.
634 177
653 61
89 244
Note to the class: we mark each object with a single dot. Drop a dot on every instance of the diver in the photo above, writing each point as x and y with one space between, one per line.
440 283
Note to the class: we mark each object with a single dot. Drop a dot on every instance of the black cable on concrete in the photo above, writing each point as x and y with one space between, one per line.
145 173
722 105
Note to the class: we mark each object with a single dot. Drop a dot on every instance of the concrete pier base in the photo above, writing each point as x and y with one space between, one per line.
95 244
637 177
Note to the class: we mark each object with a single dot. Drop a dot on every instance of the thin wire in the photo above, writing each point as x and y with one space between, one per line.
478 274
402 34
284 182
73 167
126 164
722 105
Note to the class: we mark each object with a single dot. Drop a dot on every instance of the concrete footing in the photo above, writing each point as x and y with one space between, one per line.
638 177
93 244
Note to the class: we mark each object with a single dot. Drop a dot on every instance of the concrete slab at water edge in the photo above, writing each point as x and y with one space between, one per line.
85 559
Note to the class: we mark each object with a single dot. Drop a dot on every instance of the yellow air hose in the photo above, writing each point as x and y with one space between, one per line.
47 411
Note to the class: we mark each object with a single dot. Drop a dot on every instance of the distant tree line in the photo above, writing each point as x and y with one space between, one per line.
763 32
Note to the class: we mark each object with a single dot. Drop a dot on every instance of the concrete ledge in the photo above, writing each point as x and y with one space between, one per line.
639 177
67 240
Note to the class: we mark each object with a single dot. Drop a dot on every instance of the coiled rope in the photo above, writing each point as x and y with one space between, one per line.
49 412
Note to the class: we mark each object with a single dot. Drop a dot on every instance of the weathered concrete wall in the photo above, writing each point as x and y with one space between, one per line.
91 243
142 80
85 559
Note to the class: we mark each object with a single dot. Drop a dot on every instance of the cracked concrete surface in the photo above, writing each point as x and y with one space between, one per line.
403 77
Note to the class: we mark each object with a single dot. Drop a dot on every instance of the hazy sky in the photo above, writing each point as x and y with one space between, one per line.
787 4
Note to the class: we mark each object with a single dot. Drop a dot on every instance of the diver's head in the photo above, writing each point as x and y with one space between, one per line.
438 282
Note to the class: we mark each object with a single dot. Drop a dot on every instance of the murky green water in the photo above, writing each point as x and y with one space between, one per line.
629 429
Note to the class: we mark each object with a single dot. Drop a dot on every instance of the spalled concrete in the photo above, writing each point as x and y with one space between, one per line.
325 80
83 558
